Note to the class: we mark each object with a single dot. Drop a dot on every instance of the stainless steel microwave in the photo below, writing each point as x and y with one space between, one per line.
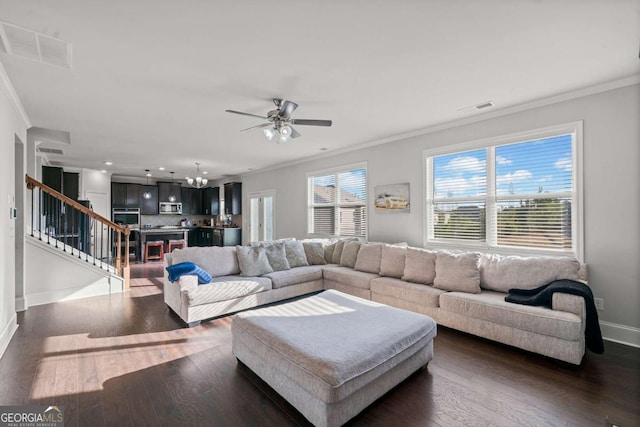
171 208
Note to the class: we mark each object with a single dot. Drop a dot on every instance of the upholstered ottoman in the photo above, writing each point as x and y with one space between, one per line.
332 354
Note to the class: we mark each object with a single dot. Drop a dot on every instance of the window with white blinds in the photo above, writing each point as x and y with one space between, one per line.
338 202
519 192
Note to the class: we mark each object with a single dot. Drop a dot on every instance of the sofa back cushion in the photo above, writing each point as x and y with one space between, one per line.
295 254
276 255
349 254
419 266
458 272
368 259
253 261
501 273
392 260
215 260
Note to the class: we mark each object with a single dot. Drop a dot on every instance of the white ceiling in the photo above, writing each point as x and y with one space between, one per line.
151 79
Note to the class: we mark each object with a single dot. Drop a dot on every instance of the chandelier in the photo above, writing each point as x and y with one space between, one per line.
198 181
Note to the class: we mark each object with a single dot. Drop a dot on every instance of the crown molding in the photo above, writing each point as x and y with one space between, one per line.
554 99
7 87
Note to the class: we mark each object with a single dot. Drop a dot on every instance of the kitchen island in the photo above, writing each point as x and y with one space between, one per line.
162 233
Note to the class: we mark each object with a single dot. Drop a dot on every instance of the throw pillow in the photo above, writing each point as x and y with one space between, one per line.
314 252
392 260
349 254
277 256
186 268
368 259
458 272
337 252
419 266
295 253
253 261
328 252
501 273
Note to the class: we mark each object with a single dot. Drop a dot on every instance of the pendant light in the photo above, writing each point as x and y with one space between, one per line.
172 197
147 193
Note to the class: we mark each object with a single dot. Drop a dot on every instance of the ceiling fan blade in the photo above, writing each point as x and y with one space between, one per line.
295 133
246 114
264 125
287 107
309 122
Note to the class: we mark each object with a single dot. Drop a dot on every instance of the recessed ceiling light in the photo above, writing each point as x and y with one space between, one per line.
108 163
204 172
103 171
148 173
161 168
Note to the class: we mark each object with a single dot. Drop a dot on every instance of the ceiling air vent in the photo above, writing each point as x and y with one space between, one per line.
50 150
476 107
39 47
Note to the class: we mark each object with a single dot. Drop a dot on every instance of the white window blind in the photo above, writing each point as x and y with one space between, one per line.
517 192
338 203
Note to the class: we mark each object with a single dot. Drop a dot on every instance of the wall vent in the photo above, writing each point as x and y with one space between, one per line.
50 150
477 107
39 47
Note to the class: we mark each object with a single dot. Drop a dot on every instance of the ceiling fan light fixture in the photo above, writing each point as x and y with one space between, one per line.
285 131
270 133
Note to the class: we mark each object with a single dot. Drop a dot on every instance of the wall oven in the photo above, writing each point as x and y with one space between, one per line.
171 208
127 216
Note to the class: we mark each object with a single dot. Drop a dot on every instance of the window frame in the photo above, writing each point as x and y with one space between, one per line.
490 244
336 171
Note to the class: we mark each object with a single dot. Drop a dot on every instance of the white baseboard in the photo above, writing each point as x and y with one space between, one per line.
7 333
102 287
621 334
21 304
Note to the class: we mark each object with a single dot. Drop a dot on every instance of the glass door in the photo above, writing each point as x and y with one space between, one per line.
262 215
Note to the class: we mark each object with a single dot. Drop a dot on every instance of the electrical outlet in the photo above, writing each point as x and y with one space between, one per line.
599 303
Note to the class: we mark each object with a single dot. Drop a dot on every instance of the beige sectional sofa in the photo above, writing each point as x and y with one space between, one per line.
464 291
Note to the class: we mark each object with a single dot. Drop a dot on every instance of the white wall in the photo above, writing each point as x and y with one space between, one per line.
13 123
611 188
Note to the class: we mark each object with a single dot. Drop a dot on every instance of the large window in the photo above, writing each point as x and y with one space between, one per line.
518 193
338 202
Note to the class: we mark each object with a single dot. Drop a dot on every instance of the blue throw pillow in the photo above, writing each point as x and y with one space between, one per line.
185 268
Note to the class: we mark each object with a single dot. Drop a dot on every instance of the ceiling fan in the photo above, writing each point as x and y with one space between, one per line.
280 121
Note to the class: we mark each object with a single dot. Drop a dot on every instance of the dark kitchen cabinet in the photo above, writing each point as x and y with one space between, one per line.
125 195
233 198
211 201
205 237
193 237
191 201
51 207
169 192
53 177
71 185
149 200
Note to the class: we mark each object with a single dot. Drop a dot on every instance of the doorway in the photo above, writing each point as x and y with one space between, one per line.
262 207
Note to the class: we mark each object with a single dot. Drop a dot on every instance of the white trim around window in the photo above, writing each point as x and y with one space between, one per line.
490 197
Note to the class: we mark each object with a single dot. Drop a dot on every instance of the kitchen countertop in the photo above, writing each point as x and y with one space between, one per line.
163 230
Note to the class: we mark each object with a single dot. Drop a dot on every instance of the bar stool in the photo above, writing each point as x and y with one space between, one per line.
160 256
176 244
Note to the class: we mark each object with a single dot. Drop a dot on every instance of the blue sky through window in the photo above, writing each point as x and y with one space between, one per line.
523 168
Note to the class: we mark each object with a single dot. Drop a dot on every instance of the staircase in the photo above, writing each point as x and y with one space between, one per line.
80 252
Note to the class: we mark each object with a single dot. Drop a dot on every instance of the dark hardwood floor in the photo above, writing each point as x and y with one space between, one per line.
125 360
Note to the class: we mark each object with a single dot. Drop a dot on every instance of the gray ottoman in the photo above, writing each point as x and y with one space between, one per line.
332 354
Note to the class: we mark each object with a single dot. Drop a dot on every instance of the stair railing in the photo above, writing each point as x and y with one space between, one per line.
74 228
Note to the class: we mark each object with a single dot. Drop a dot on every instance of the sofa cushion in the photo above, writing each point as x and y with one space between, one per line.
215 260
458 272
491 306
349 254
337 252
277 255
253 261
424 295
368 259
314 252
294 276
420 266
349 277
501 273
226 288
295 254
329 248
392 260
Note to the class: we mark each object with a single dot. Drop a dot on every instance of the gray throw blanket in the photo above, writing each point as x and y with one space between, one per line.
543 296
